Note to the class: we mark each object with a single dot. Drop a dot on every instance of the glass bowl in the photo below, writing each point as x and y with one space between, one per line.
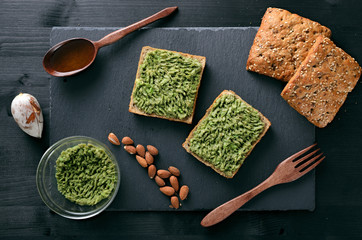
47 183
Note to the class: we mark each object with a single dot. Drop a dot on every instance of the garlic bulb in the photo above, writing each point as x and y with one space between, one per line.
27 114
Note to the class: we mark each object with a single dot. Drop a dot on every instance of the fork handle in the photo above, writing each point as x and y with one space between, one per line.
225 210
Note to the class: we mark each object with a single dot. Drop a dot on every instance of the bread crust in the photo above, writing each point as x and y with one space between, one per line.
133 109
322 82
282 42
186 145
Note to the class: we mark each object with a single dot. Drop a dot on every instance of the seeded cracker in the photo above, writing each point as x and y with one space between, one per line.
322 82
282 43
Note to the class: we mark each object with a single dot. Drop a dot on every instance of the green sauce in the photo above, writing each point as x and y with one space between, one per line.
225 136
85 174
167 85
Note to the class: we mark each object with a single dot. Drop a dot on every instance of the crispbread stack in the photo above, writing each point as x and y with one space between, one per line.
186 144
295 49
134 109
282 43
322 82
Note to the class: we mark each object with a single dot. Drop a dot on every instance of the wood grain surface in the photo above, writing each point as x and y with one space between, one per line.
24 39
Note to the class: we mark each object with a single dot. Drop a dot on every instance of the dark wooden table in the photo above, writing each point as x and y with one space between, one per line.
24 38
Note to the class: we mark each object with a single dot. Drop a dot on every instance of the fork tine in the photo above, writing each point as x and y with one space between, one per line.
295 155
310 164
300 161
311 167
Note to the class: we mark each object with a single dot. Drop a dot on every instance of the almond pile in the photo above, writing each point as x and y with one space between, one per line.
167 180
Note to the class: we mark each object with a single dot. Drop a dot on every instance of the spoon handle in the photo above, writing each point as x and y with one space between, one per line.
226 209
116 35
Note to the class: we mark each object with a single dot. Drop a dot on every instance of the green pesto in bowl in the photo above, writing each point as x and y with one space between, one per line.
227 134
167 84
85 174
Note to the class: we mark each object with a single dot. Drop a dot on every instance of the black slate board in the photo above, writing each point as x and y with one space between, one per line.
95 103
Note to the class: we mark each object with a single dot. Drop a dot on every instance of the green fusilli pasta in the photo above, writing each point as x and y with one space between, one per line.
167 85
85 174
226 135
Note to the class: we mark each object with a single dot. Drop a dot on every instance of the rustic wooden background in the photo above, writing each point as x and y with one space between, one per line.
24 38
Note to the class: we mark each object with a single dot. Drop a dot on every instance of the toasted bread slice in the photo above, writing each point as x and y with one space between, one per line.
282 42
132 106
186 144
321 85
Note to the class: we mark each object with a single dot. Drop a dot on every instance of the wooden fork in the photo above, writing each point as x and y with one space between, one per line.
289 170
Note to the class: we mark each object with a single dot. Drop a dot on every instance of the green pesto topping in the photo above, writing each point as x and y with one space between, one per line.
225 136
167 84
85 174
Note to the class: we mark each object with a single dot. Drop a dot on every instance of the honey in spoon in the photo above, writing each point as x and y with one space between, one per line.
74 55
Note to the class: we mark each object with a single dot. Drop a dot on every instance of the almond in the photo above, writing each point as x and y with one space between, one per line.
184 191
163 173
149 158
152 171
174 183
140 150
130 149
175 202
174 171
113 139
169 191
141 161
127 141
152 150
159 181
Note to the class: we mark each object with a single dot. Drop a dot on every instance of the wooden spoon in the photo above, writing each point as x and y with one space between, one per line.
74 55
